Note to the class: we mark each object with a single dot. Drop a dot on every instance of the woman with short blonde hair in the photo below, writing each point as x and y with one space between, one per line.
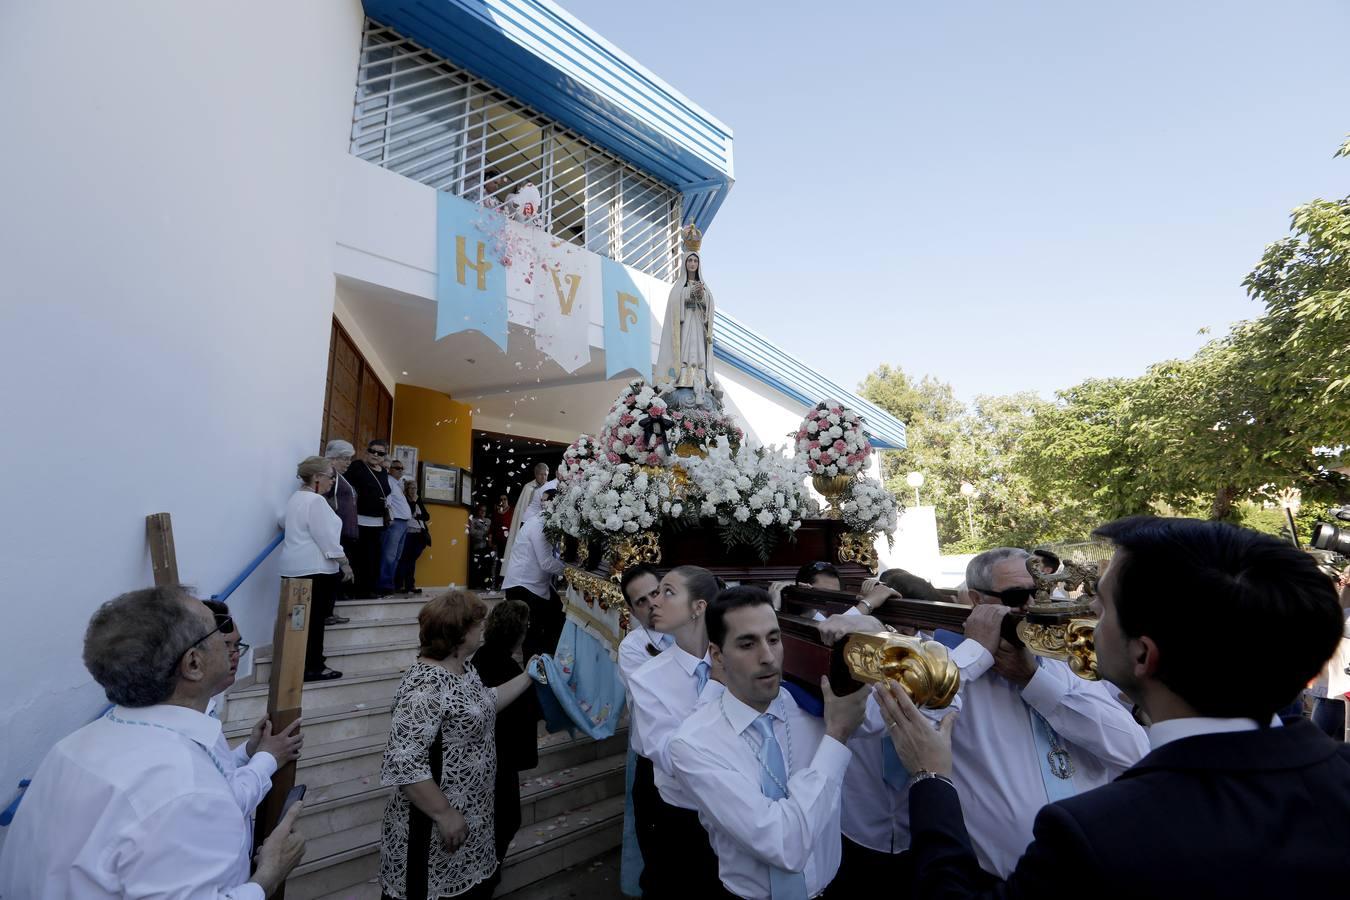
313 549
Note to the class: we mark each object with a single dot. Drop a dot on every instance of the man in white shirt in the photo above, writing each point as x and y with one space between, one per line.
765 775
1031 731
640 585
396 532
138 803
530 570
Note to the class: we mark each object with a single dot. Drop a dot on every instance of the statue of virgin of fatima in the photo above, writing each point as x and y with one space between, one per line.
686 335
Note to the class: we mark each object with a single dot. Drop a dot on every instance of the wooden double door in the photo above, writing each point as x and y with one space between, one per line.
356 406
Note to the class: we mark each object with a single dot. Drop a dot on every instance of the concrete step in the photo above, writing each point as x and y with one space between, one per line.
560 751
357 633
386 608
545 796
249 702
343 864
340 762
325 724
360 660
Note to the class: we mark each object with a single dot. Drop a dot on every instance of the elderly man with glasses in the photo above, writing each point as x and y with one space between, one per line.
139 802
1031 732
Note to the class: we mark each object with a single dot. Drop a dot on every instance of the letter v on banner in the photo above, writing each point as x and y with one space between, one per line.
566 289
628 323
470 274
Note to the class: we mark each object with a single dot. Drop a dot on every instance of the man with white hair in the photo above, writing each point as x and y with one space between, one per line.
1031 732
138 803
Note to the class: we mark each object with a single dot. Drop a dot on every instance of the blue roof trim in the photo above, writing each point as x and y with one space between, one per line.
738 346
537 52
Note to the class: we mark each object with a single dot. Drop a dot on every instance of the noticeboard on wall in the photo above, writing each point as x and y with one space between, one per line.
440 484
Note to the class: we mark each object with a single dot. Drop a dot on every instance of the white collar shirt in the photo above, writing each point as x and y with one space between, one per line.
874 814
996 760
533 561
1164 733
633 655
665 692
135 804
715 756
398 501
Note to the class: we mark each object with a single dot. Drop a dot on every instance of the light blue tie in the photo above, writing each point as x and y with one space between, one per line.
893 771
783 885
1056 788
701 675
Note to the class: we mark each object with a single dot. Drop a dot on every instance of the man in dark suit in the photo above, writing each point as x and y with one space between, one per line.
1210 629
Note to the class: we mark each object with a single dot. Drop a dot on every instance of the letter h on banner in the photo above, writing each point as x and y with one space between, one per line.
470 276
628 323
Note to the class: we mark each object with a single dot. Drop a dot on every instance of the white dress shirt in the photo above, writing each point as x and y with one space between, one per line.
996 761
533 561
633 655
665 692
135 804
313 537
1176 729
398 501
719 767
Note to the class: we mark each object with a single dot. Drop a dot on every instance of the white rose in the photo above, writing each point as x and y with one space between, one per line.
741 514
756 501
834 432
834 419
646 520
765 518
708 509
665 507
815 454
630 527
677 509
784 516
831 471
613 523
812 428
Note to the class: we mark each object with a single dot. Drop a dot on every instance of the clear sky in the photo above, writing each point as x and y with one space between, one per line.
1005 195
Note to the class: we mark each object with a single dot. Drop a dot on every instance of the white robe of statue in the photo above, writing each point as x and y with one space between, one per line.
528 505
686 334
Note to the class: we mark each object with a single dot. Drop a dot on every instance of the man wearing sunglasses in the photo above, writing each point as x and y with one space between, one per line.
138 803
1031 732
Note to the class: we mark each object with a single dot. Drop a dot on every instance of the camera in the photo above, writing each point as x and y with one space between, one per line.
1336 538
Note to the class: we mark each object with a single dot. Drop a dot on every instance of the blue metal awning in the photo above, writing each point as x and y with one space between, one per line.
741 348
539 53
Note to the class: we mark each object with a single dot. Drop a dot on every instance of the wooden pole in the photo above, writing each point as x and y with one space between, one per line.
284 693
163 559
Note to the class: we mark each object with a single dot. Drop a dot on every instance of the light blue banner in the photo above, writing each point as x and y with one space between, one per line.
628 323
470 276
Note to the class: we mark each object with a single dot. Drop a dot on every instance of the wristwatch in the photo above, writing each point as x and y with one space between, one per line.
863 601
924 775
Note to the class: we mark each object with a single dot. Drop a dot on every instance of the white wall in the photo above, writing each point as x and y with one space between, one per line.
166 287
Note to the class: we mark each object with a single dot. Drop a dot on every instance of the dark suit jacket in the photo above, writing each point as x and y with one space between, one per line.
1252 814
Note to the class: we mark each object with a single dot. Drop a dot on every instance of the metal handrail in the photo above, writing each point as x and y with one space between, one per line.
249 569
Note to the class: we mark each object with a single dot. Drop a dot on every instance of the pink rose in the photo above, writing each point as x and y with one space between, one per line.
700 431
840 446
612 457
626 419
814 445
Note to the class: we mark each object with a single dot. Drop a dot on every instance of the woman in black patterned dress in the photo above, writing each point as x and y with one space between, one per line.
438 835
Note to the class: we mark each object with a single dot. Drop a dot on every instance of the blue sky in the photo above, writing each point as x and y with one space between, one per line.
943 185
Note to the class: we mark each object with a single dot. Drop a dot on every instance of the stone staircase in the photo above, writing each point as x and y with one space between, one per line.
572 803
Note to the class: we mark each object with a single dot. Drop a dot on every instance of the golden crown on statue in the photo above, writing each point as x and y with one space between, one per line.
691 238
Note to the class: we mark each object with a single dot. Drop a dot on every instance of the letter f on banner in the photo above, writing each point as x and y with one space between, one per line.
470 281
628 323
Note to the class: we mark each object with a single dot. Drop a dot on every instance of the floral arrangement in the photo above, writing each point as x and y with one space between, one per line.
577 458
832 441
622 438
698 427
868 507
753 494
608 500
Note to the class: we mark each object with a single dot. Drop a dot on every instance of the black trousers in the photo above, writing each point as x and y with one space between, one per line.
682 863
546 620
862 870
323 597
366 563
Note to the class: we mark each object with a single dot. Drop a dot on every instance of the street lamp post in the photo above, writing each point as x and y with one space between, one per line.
968 491
915 480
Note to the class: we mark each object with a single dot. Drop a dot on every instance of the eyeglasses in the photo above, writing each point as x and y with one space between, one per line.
374 452
1013 597
224 624
395 468
240 649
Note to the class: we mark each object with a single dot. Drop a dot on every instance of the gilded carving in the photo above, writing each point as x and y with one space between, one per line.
923 668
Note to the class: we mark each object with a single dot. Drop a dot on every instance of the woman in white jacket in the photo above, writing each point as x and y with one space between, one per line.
313 550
